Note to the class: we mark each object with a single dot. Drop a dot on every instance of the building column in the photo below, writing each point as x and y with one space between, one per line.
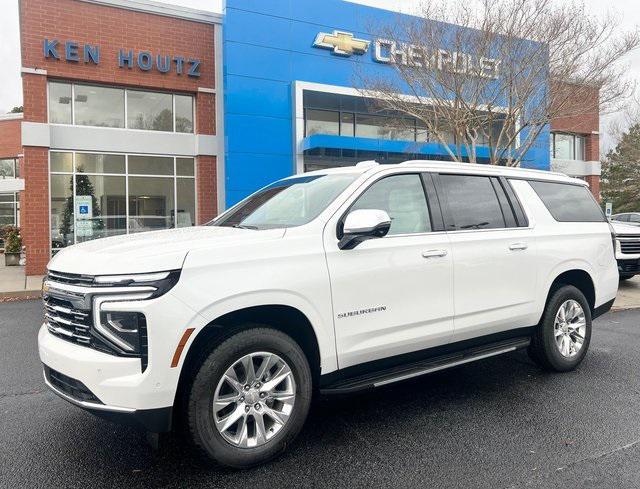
206 181
34 202
592 153
34 210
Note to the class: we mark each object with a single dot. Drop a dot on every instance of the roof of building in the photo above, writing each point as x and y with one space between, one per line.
165 9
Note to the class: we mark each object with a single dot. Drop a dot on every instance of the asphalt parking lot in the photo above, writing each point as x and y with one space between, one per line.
497 423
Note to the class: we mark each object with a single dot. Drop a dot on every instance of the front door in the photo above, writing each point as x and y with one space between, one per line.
392 295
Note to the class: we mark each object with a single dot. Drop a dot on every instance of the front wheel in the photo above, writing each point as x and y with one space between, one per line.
561 340
250 398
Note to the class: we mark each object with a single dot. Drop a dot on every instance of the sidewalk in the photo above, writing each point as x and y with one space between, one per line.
628 294
14 284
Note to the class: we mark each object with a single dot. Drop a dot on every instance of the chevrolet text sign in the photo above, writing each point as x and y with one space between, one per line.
390 52
386 51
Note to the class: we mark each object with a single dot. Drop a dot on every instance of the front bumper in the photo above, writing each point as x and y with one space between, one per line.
628 266
123 390
154 420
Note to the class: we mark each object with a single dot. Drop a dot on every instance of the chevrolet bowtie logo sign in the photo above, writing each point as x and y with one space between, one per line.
342 43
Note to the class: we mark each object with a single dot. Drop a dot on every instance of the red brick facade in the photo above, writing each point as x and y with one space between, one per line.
583 118
34 212
10 145
112 29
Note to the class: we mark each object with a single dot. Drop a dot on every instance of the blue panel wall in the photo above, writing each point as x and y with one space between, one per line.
268 45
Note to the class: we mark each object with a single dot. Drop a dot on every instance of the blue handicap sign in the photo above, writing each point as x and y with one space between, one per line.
84 209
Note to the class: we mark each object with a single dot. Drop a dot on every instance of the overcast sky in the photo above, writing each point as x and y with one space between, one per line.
10 83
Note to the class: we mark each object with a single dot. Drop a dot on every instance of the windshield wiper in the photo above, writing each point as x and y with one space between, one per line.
246 226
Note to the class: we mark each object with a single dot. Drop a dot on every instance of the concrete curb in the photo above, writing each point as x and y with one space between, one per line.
20 295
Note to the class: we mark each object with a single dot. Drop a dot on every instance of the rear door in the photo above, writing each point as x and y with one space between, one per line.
493 248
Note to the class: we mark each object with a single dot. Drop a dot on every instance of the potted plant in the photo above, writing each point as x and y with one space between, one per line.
12 246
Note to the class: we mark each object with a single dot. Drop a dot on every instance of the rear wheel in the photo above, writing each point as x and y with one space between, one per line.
562 338
250 398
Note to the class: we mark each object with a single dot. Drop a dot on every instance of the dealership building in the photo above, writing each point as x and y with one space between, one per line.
141 115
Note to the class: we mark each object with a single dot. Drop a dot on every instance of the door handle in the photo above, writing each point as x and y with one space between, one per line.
434 253
518 246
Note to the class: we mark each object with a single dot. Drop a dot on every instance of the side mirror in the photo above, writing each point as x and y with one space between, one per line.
364 224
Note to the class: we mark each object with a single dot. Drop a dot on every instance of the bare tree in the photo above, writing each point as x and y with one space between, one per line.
494 73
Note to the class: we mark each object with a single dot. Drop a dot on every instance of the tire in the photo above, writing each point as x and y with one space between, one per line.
244 444
626 276
548 348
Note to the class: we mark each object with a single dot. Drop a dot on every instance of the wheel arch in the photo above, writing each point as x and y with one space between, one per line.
281 317
579 278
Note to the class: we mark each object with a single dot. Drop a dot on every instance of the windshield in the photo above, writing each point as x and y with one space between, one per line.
287 203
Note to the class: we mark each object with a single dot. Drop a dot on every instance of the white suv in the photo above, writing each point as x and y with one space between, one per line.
328 282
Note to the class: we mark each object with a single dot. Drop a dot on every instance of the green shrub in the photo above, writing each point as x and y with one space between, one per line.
12 240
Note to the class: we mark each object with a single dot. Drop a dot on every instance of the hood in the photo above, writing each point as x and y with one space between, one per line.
622 229
150 251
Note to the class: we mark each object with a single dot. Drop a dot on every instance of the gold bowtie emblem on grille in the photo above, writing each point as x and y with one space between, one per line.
342 43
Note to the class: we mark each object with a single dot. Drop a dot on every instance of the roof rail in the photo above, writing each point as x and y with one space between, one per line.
367 163
482 166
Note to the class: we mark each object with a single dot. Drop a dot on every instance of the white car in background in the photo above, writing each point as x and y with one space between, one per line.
627 249
629 218
332 281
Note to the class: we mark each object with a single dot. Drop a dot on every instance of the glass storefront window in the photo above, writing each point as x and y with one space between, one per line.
8 168
185 167
149 110
98 106
61 162
103 106
186 202
106 212
347 127
60 103
90 193
322 122
184 113
150 165
8 209
564 146
568 146
580 148
62 227
150 204
99 163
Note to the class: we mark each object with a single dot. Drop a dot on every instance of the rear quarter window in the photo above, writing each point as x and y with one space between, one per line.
567 202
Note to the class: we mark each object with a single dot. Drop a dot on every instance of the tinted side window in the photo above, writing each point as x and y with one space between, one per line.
633 217
402 196
472 202
567 202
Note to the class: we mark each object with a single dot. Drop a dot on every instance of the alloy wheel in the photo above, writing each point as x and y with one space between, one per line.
254 399
570 328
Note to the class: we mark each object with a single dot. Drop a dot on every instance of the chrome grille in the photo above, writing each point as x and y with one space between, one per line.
68 302
630 246
66 321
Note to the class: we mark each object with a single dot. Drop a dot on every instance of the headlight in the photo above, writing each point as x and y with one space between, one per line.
127 330
162 282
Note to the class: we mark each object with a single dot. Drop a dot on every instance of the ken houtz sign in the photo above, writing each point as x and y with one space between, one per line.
74 52
385 51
